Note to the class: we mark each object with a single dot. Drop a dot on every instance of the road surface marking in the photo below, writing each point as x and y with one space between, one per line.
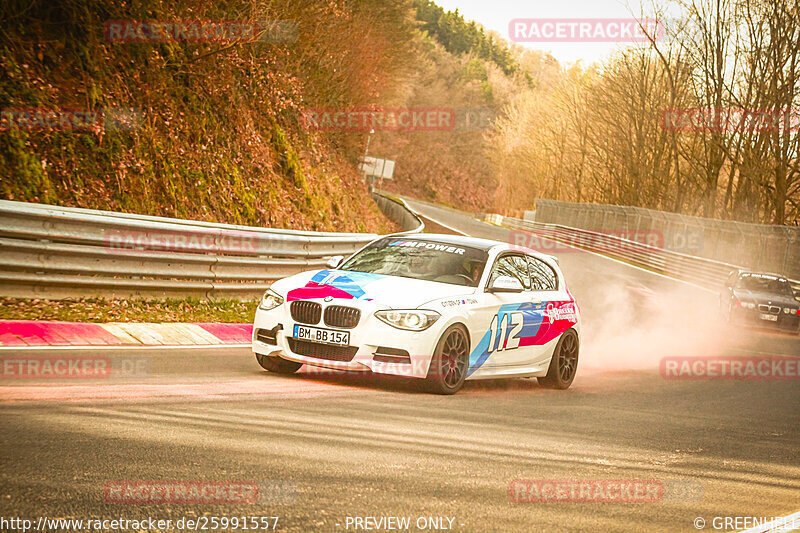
779 525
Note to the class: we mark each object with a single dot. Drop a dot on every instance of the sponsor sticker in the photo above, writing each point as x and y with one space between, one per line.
463 301
566 311
430 246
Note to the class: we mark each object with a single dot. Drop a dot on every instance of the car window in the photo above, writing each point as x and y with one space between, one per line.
543 278
421 259
514 266
762 283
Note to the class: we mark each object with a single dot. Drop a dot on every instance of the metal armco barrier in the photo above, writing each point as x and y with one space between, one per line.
61 252
398 212
698 270
764 247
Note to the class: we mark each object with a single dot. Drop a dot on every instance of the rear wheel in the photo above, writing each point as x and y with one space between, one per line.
277 365
564 364
450 361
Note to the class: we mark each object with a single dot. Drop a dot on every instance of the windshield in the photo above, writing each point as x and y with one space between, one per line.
421 259
765 284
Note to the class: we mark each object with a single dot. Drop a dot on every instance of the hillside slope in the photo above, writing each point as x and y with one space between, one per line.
188 128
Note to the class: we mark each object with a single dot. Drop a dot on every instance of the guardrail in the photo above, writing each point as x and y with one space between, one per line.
764 247
705 272
398 211
61 252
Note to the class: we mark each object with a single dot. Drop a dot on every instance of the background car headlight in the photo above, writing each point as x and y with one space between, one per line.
748 305
414 320
270 300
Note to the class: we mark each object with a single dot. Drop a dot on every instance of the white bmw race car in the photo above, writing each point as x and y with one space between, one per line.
441 308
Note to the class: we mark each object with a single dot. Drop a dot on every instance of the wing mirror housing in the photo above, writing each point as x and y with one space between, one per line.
335 261
506 284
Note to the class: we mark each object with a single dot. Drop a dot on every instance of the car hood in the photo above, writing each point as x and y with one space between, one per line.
757 297
390 291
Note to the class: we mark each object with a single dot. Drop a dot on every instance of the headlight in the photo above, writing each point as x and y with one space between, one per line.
413 320
748 305
270 300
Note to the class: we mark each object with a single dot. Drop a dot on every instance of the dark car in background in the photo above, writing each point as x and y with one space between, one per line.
760 299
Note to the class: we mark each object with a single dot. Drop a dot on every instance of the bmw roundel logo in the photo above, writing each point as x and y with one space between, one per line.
328 298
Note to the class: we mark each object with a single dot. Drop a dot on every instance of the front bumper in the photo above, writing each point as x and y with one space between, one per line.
752 317
375 346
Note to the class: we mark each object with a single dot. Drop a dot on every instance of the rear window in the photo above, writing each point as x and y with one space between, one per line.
421 259
543 278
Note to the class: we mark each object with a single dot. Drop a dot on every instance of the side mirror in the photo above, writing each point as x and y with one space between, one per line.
506 284
335 261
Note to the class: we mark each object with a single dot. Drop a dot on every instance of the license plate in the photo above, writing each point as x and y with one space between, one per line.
771 318
325 336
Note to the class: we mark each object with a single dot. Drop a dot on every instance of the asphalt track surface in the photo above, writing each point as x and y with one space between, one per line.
325 448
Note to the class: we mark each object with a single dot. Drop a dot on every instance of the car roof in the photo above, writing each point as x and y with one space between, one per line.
762 274
455 240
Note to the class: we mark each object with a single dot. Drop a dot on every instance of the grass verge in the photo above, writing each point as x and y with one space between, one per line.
132 310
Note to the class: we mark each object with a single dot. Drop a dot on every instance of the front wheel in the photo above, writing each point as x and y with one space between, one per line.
450 361
277 365
564 364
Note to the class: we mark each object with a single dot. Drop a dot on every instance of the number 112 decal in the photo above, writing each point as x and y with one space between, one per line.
505 337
